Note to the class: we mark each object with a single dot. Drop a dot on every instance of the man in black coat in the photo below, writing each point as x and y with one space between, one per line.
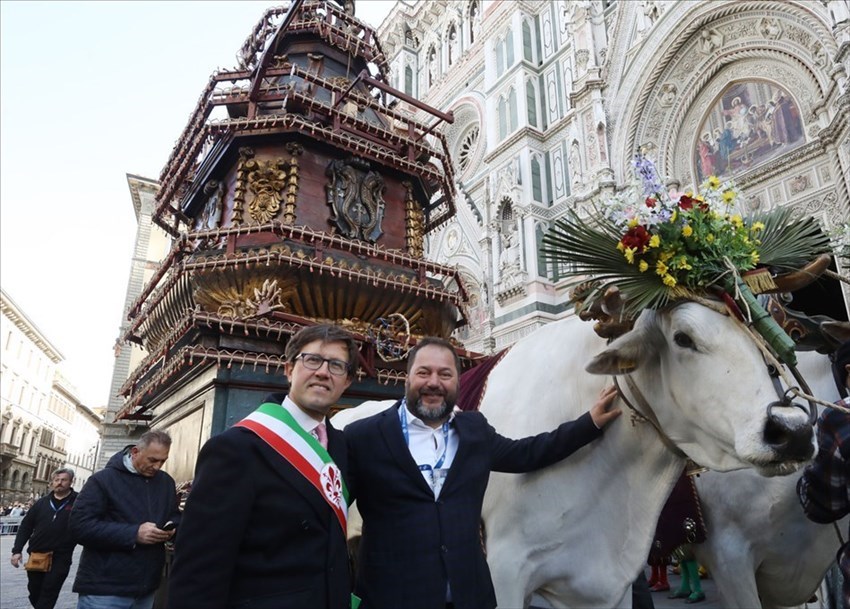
45 525
420 471
264 525
117 520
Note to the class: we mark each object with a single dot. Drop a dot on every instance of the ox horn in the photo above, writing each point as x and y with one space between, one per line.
794 280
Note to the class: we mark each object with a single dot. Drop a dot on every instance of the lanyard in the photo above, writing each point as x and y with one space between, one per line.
402 414
56 509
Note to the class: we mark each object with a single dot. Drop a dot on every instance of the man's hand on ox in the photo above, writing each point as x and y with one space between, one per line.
150 534
600 412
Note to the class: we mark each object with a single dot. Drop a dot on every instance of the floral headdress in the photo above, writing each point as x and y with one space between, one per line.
657 247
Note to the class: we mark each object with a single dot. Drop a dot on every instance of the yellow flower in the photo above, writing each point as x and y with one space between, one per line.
642 266
620 246
630 255
713 182
654 241
669 280
754 257
687 231
709 238
683 263
757 226
736 220
633 222
660 268
728 196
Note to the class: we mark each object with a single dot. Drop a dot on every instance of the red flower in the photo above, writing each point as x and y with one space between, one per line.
650 202
686 202
636 238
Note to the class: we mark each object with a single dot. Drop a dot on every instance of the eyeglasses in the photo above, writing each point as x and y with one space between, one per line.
311 361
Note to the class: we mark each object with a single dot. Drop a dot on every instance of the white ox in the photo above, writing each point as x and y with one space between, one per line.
761 549
579 532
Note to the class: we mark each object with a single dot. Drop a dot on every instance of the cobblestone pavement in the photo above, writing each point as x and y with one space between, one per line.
13 590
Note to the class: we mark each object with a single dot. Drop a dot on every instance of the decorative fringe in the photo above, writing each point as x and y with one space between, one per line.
759 281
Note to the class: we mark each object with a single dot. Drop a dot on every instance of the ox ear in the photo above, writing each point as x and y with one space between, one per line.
622 356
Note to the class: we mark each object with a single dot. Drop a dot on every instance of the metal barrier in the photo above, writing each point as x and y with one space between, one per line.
9 524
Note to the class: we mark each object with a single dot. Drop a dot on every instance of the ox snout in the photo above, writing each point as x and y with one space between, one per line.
791 438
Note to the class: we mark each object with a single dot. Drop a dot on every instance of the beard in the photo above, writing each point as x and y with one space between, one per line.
430 414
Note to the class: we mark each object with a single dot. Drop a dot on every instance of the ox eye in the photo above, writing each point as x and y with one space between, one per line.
684 341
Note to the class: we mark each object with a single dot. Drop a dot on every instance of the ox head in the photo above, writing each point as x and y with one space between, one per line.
709 388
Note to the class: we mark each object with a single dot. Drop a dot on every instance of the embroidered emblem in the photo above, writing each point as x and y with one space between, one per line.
331 480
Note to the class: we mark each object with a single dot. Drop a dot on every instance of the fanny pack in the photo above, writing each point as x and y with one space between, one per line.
39 561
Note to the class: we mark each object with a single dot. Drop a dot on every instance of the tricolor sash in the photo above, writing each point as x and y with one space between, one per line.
277 428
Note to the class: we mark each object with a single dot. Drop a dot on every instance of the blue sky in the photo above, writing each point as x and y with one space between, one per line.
91 91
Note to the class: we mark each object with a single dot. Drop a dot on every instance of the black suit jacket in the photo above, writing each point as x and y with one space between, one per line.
413 545
256 534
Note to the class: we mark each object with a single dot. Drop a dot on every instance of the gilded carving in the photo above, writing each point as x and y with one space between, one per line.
243 295
414 221
355 196
245 155
266 181
295 149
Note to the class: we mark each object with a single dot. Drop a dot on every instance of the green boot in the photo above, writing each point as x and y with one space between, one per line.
696 595
684 590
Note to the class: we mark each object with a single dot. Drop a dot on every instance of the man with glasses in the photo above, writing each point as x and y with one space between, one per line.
264 525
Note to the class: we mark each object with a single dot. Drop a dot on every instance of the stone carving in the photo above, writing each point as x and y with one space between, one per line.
355 196
668 94
582 59
839 11
710 40
770 28
799 184
575 163
819 55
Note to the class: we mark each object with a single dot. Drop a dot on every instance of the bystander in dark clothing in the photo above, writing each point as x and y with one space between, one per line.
823 488
45 526
116 520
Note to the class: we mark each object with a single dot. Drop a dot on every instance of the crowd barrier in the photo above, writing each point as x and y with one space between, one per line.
9 524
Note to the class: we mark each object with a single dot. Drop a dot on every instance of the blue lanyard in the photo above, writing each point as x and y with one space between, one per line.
402 414
56 509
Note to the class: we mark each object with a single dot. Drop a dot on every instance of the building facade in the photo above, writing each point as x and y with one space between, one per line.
43 423
151 246
552 100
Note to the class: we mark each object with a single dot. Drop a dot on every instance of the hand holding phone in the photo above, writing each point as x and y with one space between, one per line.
168 526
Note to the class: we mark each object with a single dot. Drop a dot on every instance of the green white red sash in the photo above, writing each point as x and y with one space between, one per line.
276 426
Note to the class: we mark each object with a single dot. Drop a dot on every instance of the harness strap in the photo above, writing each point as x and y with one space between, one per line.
647 414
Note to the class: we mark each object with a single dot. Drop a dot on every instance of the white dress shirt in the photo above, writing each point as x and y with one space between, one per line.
306 422
427 445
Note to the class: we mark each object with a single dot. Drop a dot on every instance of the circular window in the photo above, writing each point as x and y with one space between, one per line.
467 147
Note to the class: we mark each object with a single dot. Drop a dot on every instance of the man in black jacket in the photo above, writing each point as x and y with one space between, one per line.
420 470
45 525
264 526
117 520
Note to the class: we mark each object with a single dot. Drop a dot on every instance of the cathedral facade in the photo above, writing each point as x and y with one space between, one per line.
553 99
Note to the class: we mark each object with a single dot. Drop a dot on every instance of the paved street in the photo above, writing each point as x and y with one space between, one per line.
13 590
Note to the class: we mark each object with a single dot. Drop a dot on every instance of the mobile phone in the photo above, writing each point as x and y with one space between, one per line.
168 526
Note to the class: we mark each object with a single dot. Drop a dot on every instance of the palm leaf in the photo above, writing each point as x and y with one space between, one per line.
788 242
589 247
